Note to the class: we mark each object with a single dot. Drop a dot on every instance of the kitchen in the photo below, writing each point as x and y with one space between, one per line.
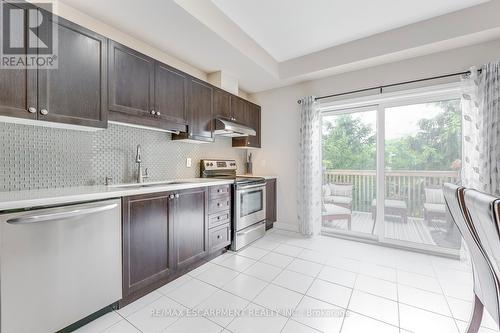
108 174
242 166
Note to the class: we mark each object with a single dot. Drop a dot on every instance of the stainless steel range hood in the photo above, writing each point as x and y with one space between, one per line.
224 127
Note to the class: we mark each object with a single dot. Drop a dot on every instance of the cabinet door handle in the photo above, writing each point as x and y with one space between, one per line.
44 112
177 195
31 109
153 112
158 113
171 197
218 236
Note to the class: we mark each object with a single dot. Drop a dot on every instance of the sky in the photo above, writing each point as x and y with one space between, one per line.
399 121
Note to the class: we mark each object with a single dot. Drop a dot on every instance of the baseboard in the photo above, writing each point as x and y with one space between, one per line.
286 226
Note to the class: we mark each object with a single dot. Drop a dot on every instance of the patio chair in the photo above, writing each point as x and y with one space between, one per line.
434 205
339 194
391 207
333 212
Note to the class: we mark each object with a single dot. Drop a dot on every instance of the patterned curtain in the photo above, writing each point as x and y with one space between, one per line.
309 177
481 129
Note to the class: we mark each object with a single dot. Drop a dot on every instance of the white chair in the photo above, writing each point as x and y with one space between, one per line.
485 214
333 212
339 194
434 206
485 281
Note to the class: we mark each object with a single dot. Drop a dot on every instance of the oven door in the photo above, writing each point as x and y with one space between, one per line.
250 205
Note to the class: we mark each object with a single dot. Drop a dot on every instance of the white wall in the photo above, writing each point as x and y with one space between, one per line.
280 114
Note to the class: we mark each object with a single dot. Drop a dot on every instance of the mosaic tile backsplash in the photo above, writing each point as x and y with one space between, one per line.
33 157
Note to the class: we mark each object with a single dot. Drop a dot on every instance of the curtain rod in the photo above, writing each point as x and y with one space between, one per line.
393 85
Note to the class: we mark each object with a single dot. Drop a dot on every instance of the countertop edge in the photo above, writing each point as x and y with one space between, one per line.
94 193
261 176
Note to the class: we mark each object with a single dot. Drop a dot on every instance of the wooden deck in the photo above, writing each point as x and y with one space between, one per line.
416 230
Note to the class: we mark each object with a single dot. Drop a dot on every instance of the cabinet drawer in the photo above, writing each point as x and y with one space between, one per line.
219 218
219 191
220 237
219 205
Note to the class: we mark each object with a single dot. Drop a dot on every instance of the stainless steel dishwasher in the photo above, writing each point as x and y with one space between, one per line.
59 265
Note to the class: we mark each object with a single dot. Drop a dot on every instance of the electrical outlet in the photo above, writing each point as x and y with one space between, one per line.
188 162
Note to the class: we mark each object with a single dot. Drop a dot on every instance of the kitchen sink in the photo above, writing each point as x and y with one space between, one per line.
134 186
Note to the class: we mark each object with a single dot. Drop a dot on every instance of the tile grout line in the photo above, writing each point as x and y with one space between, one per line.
303 296
446 299
348 303
285 241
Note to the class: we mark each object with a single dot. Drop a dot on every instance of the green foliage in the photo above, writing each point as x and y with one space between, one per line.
350 144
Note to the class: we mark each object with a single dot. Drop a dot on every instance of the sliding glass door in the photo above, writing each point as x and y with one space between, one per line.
422 151
401 150
349 155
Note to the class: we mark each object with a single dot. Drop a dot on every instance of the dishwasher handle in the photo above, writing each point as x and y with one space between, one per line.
70 213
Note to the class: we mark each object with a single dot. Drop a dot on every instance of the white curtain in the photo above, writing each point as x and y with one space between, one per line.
481 129
309 168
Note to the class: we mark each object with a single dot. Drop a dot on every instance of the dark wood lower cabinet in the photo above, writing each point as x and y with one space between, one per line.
165 235
190 227
147 242
271 201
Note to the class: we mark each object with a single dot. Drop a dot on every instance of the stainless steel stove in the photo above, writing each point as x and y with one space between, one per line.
249 201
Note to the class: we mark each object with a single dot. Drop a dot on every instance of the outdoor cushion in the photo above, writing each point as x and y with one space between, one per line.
326 190
332 199
434 196
341 190
435 208
392 203
336 210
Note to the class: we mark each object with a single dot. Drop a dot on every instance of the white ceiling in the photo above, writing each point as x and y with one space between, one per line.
166 26
288 29
269 43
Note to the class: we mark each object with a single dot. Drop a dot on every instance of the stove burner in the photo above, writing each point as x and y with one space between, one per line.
226 169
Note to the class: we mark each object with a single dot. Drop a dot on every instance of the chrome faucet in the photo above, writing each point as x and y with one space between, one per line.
140 175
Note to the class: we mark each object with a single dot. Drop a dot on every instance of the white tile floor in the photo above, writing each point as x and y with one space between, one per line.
286 283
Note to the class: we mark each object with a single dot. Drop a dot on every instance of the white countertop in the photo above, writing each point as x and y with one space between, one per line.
265 177
66 195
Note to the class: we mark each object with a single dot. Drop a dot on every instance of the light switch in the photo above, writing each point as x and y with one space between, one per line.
188 162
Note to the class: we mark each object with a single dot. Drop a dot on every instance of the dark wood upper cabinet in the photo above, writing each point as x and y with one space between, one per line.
171 88
254 122
252 118
239 110
147 242
271 201
131 81
75 93
18 86
199 112
190 227
99 79
72 93
145 92
222 104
